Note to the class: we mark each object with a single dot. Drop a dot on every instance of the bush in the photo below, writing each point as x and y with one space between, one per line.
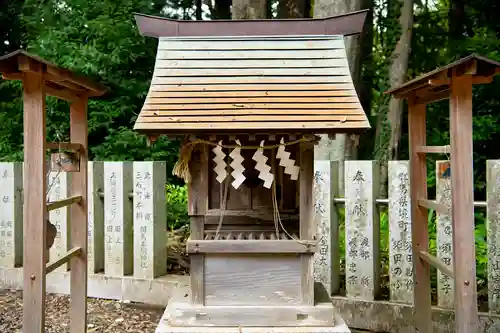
177 215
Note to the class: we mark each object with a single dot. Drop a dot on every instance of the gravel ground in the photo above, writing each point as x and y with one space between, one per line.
103 315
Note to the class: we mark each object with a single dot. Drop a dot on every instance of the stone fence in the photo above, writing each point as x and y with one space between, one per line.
370 259
360 255
127 257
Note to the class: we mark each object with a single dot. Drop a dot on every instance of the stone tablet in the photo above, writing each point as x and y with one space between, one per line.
362 226
11 215
118 233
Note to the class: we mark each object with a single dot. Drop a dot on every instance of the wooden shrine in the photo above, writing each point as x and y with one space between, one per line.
453 82
41 78
249 107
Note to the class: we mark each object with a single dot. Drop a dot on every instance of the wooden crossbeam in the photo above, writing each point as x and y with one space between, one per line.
64 145
26 64
424 96
433 97
67 91
439 82
64 202
250 246
482 79
77 251
70 85
471 69
19 76
431 260
433 149
12 76
475 80
61 93
431 204
66 75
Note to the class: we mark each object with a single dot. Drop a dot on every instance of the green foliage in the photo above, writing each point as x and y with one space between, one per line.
123 144
11 31
177 215
439 37
11 118
99 39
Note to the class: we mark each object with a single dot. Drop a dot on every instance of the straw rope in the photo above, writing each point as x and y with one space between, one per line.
181 167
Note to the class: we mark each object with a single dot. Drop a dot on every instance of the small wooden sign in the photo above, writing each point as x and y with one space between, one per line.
444 170
65 162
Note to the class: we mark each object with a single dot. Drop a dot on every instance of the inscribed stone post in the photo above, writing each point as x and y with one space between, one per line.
444 235
493 233
118 233
150 220
332 150
11 215
326 260
58 187
95 184
362 225
400 246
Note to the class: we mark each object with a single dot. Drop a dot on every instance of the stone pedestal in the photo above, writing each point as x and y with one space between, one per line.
182 316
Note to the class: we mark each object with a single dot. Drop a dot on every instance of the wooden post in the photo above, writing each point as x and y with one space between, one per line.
464 261
307 227
197 208
34 203
79 220
420 235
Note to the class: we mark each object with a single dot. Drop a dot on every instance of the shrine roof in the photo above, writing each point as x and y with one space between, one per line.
437 81
345 24
299 83
57 79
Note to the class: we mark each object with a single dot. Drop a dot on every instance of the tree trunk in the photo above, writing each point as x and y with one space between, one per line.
397 75
344 146
367 72
199 10
249 9
222 10
459 27
293 9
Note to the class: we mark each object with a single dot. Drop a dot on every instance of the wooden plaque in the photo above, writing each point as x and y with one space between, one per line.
65 162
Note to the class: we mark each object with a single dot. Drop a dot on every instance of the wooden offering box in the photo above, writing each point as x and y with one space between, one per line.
249 109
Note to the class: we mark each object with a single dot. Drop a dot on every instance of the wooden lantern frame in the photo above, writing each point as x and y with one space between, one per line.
41 78
453 82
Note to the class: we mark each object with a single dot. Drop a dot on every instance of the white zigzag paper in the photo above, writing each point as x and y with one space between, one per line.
220 164
262 167
285 161
237 165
